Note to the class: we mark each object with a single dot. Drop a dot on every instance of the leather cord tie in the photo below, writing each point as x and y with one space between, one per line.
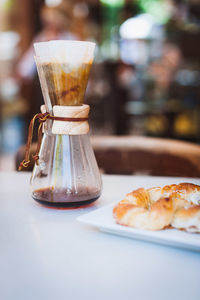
41 117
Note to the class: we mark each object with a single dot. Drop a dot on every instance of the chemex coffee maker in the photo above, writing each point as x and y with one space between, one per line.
65 171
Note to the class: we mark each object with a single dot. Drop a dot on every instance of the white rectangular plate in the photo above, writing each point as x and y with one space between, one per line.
102 218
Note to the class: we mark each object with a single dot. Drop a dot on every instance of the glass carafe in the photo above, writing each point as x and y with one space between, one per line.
66 173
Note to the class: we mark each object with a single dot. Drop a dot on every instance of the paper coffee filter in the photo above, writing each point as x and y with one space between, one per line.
71 52
43 84
63 68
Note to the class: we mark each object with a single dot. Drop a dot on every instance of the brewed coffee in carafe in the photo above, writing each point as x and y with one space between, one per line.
66 172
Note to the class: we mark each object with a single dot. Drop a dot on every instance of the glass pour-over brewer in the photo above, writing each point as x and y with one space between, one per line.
65 172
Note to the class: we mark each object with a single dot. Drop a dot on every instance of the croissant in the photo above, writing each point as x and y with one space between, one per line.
156 208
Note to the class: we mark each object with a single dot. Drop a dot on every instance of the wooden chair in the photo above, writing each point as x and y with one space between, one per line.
155 156
141 155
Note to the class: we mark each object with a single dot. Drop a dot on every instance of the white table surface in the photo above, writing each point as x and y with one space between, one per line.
46 254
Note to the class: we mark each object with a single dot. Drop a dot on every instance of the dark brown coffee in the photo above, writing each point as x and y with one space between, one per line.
62 198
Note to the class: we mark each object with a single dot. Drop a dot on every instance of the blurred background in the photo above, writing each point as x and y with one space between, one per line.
146 75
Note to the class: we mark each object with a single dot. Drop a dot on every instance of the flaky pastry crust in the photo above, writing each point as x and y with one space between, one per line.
157 208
